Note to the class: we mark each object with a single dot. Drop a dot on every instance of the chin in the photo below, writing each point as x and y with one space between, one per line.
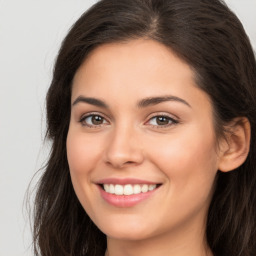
127 230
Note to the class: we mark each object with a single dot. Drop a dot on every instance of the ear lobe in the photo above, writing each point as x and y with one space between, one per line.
234 148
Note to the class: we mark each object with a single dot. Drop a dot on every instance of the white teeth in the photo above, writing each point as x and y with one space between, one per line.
106 188
128 189
119 190
151 187
111 189
144 188
137 189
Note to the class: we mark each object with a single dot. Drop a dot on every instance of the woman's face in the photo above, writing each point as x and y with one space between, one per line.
141 128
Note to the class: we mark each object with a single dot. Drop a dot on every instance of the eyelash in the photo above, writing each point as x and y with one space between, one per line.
91 115
171 121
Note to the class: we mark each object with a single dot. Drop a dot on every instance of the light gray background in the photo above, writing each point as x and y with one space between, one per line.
30 35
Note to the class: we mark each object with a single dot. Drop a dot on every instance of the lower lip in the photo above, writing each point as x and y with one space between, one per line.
123 200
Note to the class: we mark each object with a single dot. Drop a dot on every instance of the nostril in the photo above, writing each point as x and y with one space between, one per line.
129 162
118 163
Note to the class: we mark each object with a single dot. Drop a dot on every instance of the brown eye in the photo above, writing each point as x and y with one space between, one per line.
162 121
93 120
96 120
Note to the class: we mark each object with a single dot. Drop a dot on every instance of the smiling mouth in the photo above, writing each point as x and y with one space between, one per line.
128 189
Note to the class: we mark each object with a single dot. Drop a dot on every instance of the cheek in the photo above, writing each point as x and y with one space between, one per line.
189 162
194 148
82 152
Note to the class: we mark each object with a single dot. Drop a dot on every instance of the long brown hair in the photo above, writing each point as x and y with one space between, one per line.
211 39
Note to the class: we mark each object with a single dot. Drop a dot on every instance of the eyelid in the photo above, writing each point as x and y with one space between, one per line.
175 120
86 115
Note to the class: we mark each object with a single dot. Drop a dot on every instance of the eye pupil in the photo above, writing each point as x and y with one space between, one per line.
96 120
161 120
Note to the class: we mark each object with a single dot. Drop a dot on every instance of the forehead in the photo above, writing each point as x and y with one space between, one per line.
133 70
135 55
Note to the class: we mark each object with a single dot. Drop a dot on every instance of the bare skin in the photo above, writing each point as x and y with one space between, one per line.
118 132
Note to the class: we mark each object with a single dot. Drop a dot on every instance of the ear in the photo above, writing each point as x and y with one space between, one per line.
234 148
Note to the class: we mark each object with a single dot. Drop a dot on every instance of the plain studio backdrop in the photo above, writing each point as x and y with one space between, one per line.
30 36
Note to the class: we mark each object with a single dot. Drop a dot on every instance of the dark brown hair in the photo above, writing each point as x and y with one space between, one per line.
211 39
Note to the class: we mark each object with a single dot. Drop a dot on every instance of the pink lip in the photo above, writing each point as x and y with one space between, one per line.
123 201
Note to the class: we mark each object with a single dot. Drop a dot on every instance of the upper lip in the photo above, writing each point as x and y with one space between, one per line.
125 181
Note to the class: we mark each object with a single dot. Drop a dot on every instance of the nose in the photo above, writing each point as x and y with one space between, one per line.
123 149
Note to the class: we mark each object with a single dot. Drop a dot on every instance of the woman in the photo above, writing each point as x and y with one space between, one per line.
151 114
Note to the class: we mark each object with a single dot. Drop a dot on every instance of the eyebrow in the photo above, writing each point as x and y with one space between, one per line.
156 100
92 101
141 104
